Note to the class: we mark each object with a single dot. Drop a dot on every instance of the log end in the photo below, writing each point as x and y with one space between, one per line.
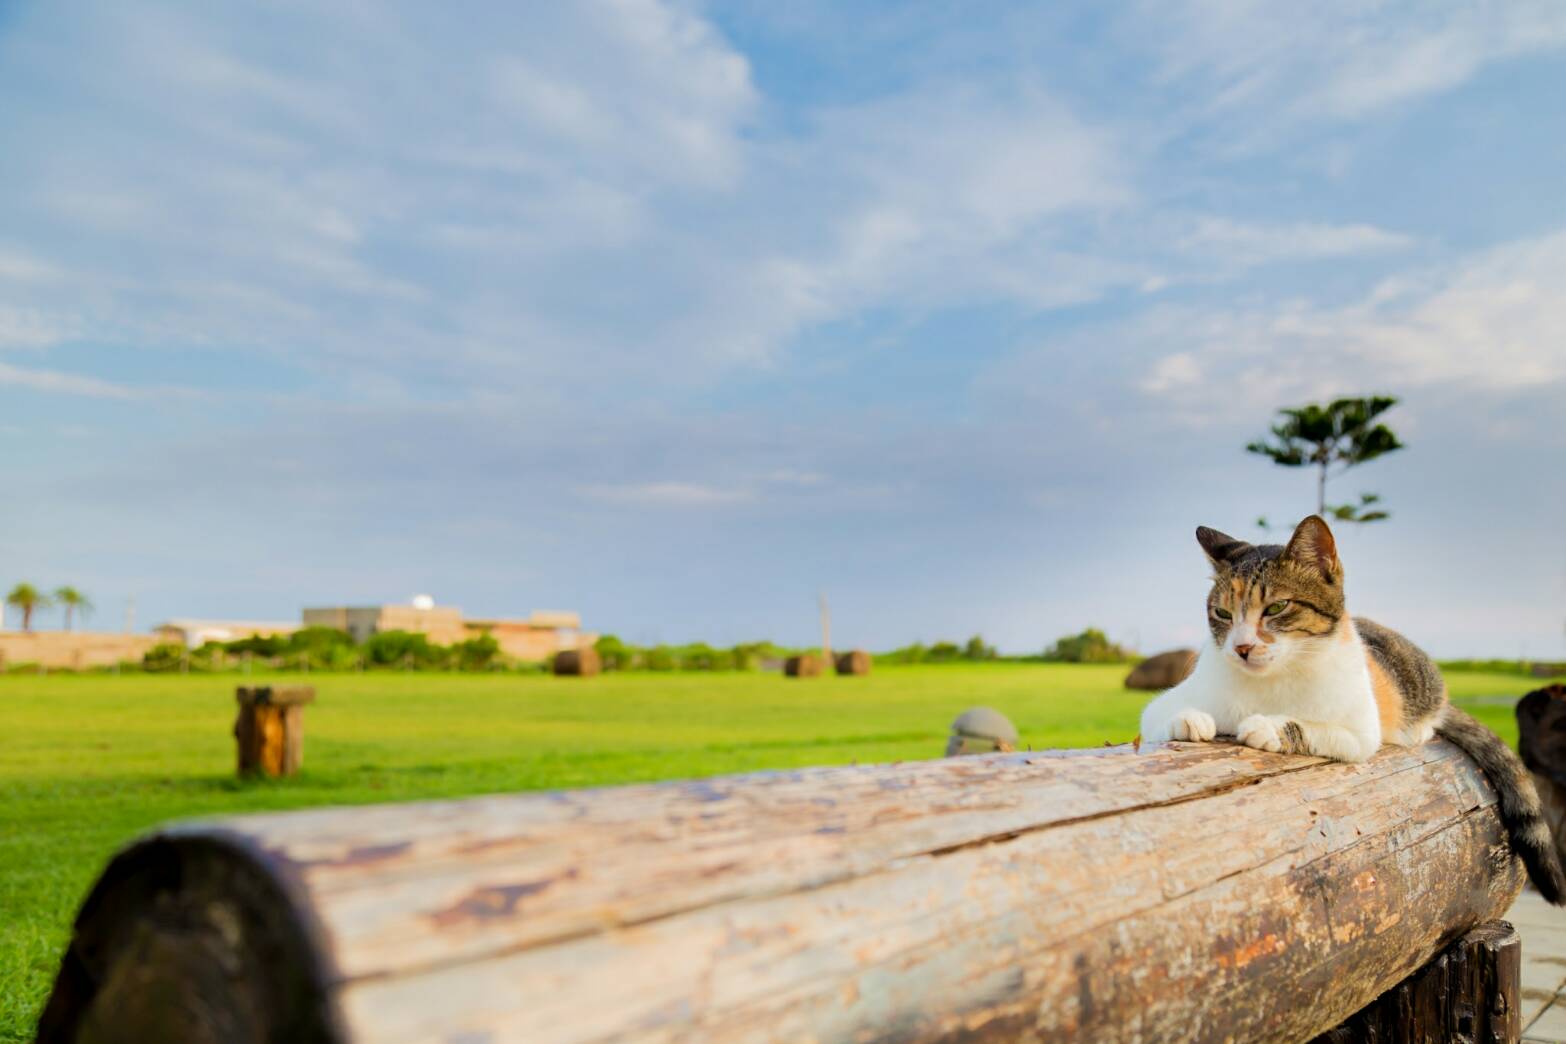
194 936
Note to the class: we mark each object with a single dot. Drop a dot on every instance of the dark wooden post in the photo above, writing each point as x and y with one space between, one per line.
1468 993
270 729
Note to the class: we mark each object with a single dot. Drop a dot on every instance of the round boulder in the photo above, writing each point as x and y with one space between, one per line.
1164 671
981 730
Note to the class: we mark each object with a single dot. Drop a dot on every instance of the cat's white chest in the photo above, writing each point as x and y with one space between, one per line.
1331 689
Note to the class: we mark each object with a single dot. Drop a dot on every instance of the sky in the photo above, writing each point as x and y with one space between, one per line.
681 313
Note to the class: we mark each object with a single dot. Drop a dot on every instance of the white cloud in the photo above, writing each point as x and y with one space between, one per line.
1336 59
663 93
1172 373
665 494
923 200
795 477
29 328
22 267
470 225
62 383
1249 243
1491 322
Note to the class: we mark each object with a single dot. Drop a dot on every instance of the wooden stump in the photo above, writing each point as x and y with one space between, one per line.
270 729
1185 892
856 662
807 665
579 663
1469 993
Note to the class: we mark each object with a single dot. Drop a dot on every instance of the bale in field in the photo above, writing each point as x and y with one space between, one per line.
981 730
1164 671
583 663
854 662
806 666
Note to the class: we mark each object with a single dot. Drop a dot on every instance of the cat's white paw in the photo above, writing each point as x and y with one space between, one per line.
1193 725
1261 732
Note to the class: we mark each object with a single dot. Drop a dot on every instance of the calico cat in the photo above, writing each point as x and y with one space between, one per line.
1288 670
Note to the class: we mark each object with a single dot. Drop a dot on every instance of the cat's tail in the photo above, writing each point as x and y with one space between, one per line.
1521 813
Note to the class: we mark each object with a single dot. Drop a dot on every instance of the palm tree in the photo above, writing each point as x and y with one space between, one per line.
27 598
74 602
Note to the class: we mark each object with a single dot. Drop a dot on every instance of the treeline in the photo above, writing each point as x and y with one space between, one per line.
618 655
1529 668
974 650
330 649
1090 646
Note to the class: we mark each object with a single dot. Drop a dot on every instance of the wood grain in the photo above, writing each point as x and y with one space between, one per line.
1186 892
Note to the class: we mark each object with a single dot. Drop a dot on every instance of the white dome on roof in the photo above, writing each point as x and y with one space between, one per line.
423 602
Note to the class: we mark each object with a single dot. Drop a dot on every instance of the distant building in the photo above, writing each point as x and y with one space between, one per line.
75 650
442 624
537 637
544 633
196 633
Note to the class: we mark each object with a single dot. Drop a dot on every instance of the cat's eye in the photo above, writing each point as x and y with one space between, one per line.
1275 608
1222 614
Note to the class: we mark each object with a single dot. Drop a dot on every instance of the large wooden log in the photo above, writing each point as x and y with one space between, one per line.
1192 892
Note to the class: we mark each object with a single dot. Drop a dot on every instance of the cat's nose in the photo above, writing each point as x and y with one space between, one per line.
1244 650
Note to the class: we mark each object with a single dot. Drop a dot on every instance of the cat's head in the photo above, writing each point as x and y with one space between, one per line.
1272 604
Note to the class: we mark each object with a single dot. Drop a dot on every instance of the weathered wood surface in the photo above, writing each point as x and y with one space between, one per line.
269 730
1193 892
1469 994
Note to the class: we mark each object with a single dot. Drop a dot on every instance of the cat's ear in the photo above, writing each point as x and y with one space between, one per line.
1221 548
1312 545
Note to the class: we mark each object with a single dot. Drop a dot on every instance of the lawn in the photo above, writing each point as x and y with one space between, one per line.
86 763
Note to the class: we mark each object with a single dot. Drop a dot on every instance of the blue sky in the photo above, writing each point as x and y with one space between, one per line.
677 313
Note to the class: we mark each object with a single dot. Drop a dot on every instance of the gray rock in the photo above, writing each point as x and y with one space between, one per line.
981 730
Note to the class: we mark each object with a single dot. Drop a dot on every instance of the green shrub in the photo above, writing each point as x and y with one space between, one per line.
1091 646
259 645
976 650
943 652
614 654
167 656
402 649
476 654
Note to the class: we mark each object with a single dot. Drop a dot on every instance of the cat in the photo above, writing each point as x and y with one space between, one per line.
1289 670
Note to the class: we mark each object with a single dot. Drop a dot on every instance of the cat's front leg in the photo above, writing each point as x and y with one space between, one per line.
1193 726
1284 735
1174 716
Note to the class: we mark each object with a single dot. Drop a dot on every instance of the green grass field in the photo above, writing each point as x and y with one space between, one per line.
87 763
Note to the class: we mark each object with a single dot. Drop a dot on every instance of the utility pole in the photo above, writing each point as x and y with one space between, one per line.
826 629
